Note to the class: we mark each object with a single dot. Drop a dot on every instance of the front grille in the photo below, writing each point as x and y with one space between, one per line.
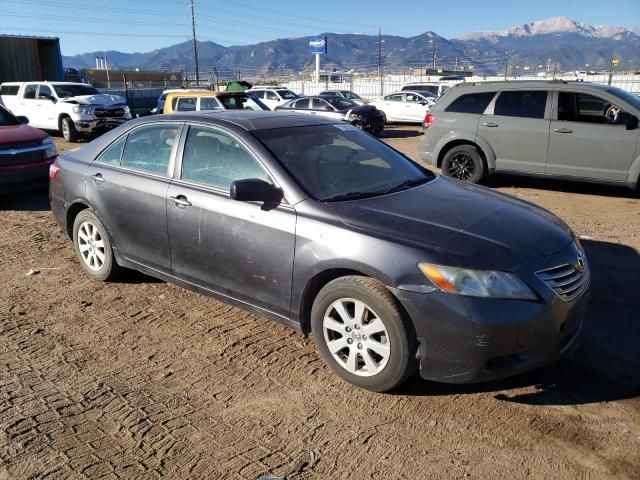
566 280
115 112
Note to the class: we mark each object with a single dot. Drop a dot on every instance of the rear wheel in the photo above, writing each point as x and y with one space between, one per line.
69 131
464 162
93 247
384 118
362 334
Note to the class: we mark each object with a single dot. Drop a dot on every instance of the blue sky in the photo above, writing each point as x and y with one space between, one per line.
144 25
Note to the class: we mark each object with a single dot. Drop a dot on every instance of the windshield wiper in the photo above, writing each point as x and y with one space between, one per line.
349 196
406 184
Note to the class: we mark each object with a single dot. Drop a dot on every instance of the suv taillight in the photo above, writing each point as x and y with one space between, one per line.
54 169
428 120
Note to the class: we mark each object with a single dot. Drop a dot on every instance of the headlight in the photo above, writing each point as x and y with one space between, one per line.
50 150
83 109
477 283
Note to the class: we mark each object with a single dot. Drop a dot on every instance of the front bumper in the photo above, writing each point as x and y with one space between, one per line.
466 339
88 124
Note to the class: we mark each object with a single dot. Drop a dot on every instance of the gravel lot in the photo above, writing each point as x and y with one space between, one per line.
145 379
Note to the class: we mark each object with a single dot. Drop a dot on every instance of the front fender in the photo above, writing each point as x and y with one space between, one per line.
634 171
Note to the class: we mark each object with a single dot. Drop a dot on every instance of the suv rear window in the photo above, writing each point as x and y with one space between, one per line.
521 103
471 103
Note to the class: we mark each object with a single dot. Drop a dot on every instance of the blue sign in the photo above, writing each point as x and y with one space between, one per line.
318 45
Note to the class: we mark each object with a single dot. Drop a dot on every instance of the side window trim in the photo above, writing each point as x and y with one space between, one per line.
556 101
490 110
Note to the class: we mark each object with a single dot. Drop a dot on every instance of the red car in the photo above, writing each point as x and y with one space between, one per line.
25 154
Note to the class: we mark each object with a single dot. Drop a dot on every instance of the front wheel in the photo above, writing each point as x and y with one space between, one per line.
69 131
464 162
362 334
93 247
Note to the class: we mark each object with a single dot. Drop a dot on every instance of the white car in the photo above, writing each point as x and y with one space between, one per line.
273 96
406 107
75 109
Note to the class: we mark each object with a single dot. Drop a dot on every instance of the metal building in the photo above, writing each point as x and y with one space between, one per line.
24 59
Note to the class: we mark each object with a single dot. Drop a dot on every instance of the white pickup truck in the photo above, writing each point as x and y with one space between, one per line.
75 109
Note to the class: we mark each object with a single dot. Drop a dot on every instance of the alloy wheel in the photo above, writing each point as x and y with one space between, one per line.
461 166
91 246
356 337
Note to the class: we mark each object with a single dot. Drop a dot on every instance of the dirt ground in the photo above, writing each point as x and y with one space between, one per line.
144 379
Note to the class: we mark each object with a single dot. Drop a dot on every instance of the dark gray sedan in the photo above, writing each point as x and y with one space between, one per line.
320 226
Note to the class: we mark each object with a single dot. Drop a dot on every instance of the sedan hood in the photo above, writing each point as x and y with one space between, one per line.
19 134
102 99
468 225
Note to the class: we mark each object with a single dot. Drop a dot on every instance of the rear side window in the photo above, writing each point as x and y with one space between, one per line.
111 156
394 98
186 104
216 159
471 103
521 103
30 91
209 103
9 90
149 148
304 103
257 93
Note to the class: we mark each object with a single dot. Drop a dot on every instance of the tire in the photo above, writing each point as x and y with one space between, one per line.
375 356
384 118
93 247
69 131
464 162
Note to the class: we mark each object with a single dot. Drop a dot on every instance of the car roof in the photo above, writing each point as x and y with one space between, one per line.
268 88
520 84
247 120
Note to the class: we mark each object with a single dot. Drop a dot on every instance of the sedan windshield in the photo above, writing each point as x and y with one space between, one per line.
341 103
64 91
6 118
339 162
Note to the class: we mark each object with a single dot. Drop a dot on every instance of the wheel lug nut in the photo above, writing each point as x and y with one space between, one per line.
360 346
349 341
364 337
357 326
348 329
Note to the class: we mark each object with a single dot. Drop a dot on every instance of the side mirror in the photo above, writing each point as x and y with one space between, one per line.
254 190
23 120
423 103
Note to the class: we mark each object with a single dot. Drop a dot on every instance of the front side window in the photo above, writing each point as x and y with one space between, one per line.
216 159
581 107
521 103
113 153
30 92
149 148
339 162
269 95
45 92
340 103
471 103
413 98
209 103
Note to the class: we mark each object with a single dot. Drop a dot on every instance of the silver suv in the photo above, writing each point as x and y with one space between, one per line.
573 130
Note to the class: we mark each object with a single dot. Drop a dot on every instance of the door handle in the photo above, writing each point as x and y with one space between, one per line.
97 178
562 130
490 124
180 201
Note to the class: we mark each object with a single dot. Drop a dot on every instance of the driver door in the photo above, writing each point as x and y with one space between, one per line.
46 105
414 107
583 143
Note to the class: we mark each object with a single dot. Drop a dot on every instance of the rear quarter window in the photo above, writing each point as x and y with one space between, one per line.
471 103
9 89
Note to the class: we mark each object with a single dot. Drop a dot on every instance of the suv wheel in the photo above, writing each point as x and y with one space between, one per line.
93 247
464 162
362 334
69 131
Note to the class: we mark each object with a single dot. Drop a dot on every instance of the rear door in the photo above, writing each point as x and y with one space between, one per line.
27 105
240 249
416 107
516 126
393 107
585 143
128 186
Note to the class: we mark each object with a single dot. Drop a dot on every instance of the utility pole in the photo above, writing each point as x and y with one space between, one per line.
506 69
380 61
195 46
434 53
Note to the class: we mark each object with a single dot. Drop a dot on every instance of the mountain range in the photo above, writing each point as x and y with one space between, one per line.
570 43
